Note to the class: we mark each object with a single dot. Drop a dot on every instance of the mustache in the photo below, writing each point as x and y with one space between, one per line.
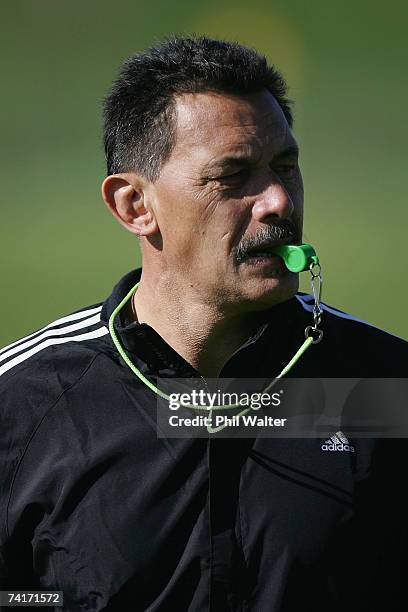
268 236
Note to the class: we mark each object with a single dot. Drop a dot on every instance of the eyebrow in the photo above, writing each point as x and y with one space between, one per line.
243 158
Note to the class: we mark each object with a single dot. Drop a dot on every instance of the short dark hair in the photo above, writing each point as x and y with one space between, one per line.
139 112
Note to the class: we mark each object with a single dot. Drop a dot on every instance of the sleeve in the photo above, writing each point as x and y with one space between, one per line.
24 399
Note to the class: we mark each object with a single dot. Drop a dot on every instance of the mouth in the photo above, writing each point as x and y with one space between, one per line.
264 252
259 247
267 262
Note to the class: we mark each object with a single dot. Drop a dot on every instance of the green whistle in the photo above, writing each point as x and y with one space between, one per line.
297 258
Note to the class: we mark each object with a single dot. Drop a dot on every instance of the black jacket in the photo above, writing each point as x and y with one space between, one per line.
94 504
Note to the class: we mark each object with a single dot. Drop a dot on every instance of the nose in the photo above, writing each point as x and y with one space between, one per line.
273 202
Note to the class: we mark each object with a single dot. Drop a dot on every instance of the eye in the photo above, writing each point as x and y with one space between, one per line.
287 170
235 176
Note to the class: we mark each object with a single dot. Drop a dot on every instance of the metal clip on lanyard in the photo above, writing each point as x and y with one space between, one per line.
316 282
299 258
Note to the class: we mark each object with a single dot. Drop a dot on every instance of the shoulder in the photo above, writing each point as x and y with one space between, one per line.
355 341
41 365
37 370
334 317
37 374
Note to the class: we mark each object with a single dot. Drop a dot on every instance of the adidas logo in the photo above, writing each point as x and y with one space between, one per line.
338 442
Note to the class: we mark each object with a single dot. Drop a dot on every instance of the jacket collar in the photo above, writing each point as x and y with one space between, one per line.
153 356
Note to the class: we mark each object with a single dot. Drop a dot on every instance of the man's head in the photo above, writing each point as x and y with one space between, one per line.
202 165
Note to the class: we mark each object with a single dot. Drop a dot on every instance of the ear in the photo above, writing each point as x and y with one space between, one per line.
124 194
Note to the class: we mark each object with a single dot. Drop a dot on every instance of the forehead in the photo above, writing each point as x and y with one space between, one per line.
213 124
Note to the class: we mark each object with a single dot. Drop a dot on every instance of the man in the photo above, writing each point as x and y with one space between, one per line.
203 168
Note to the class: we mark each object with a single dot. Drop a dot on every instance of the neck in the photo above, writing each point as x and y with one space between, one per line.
197 330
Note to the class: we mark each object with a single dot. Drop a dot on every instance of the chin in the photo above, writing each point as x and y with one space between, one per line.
261 293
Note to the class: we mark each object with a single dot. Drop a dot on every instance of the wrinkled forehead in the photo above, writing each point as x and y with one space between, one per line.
212 124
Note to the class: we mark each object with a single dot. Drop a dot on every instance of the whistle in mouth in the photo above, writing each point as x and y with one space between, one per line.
297 258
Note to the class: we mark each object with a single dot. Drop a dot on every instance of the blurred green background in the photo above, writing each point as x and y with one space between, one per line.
346 64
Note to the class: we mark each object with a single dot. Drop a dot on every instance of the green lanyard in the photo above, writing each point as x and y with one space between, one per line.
309 340
297 258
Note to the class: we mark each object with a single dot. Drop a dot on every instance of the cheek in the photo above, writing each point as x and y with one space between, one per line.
297 193
224 229
201 225
178 220
185 238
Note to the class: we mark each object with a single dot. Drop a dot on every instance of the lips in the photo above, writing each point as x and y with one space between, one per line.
264 260
265 249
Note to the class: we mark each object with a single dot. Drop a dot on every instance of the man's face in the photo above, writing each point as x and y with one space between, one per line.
231 188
